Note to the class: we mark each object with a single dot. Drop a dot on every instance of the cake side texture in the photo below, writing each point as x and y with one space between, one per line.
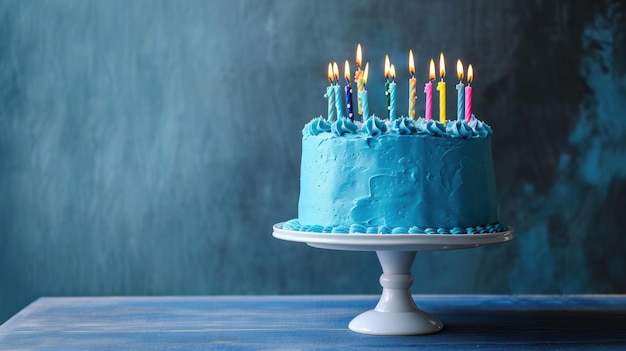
402 176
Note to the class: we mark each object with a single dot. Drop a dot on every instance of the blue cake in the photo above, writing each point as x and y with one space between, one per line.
397 177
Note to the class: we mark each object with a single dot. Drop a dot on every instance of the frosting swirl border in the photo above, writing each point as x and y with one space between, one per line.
376 127
294 224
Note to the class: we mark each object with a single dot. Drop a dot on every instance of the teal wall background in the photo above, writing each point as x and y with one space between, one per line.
147 147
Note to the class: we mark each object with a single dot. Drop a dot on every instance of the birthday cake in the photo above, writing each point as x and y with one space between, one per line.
397 177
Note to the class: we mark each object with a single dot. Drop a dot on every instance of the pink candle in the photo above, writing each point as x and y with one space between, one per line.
468 94
428 89
412 86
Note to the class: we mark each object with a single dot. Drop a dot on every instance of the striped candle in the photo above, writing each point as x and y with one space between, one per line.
468 94
412 86
460 107
330 95
392 94
428 89
338 105
441 87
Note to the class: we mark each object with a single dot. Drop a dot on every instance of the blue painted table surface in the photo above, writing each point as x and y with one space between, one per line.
311 322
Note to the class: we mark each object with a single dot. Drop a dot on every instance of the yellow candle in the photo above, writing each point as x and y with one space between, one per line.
412 86
441 87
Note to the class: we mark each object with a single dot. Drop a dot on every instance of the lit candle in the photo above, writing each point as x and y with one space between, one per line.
468 94
428 89
339 107
392 94
348 90
363 93
412 86
441 87
460 106
330 95
358 79
387 72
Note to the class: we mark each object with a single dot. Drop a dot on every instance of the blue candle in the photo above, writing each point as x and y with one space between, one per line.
460 111
387 73
338 105
330 95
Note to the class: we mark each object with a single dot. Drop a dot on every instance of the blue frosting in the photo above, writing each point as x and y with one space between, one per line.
357 228
316 126
374 126
459 129
340 229
431 127
399 230
480 128
397 176
343 126
404 126
295 225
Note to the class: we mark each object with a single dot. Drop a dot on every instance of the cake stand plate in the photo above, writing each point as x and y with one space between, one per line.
396 313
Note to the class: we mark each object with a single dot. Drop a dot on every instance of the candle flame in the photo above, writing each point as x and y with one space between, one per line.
366 73
359 56
459 70
392 72
411 63
431 71
335 71
442 67
387 66
346 71
330 72
470 74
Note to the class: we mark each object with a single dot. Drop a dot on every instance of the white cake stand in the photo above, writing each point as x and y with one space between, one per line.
396 312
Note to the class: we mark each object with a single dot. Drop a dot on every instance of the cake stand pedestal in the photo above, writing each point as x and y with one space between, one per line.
396 313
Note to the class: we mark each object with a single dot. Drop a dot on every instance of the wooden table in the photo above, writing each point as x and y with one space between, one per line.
312 322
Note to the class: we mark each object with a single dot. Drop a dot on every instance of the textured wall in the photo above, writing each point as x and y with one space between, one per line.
147 146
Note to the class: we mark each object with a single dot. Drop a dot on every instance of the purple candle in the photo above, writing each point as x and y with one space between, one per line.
348 90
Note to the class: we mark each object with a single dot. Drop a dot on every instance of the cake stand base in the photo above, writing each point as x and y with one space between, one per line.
396 312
